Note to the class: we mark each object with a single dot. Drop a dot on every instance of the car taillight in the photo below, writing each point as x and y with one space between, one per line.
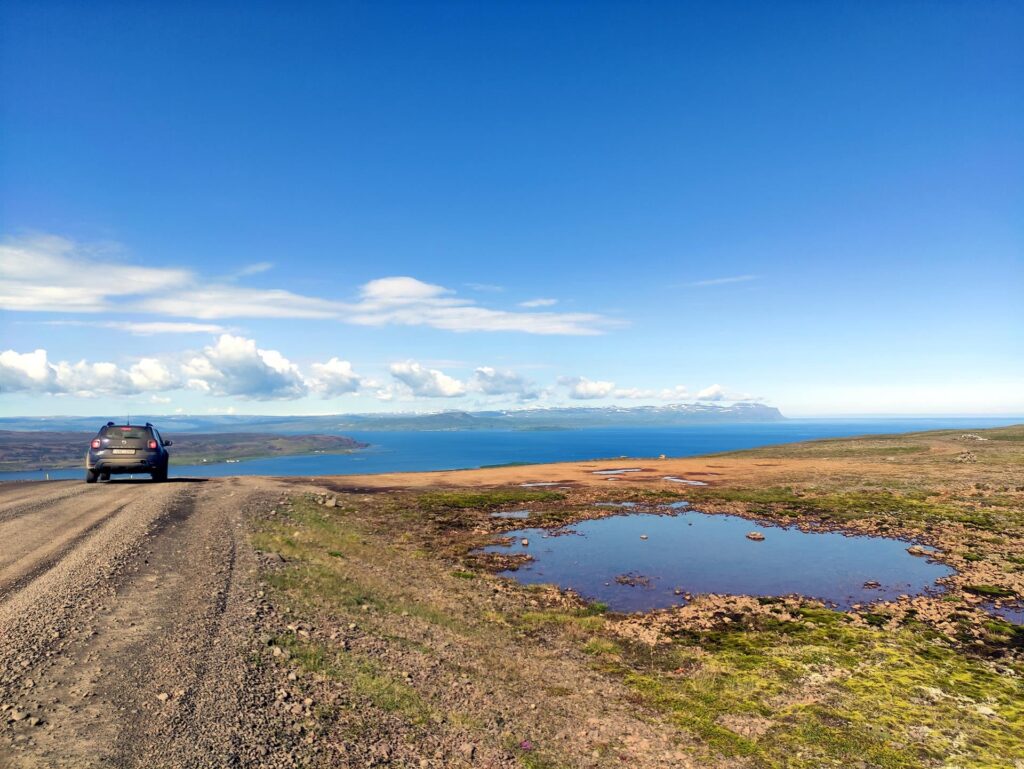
95 443
152 444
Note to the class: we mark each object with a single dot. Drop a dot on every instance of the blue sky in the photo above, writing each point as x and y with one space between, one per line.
311 208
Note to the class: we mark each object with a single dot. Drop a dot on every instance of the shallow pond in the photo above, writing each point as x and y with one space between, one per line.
695 552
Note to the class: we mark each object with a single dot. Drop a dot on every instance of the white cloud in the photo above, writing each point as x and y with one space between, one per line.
581 388
677 393
165 327
333 378
33 372
717 393
217 302
406 301
539 303
634 393
723 281
145 328
254 269
236 366
54 274
48 273
26 371
494 382
714 392
427 383
152 374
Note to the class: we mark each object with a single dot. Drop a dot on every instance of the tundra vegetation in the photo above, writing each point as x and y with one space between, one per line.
388 614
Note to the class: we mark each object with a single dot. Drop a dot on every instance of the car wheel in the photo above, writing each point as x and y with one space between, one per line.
91 476
105 477
160 475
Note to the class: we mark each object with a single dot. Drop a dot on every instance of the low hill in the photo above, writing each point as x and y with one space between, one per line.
29 450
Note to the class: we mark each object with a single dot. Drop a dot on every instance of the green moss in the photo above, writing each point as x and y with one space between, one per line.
908 508
989 591
830 695
361 675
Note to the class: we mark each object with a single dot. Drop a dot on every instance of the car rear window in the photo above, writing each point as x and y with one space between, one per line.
126 432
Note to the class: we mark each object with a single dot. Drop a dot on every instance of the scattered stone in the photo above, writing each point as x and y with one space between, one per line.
331 502
17 715
633 579
468 750
919 551
872 584
966 457
525 542
643 536
984 710
755 535
163 696
932 693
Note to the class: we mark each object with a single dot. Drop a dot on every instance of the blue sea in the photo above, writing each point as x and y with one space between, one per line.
409 451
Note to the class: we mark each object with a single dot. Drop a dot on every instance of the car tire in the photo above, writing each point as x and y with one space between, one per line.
160 475
105 477
91 476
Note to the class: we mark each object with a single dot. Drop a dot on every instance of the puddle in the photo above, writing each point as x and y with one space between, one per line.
518 514
626 505
687 481
1013 613
703 553
620 471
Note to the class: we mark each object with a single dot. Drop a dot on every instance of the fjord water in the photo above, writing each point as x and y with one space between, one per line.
695 552
413 451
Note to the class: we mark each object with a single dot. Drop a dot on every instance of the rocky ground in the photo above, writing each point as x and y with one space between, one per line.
349 622
126 626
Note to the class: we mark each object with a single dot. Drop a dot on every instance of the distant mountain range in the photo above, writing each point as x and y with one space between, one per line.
565 418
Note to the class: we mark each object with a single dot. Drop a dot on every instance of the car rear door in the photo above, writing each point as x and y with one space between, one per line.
125 441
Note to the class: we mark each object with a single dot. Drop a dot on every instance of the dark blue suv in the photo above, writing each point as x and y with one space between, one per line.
119 449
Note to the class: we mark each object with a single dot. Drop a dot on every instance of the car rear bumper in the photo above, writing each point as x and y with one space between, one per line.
116 465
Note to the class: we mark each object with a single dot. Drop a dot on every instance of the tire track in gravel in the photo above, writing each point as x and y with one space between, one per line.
19 500
12 578
132 645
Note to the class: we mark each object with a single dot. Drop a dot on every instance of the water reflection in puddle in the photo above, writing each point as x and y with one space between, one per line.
703 553
1011 613
516 514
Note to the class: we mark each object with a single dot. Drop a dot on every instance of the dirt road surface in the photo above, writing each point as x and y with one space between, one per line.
125 610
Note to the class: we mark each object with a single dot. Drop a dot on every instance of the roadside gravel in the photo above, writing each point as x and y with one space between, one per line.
127 616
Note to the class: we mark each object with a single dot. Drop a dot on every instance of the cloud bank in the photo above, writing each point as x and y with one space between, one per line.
237 367
53 274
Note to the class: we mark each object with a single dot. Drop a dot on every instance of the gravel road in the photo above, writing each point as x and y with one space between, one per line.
126 620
